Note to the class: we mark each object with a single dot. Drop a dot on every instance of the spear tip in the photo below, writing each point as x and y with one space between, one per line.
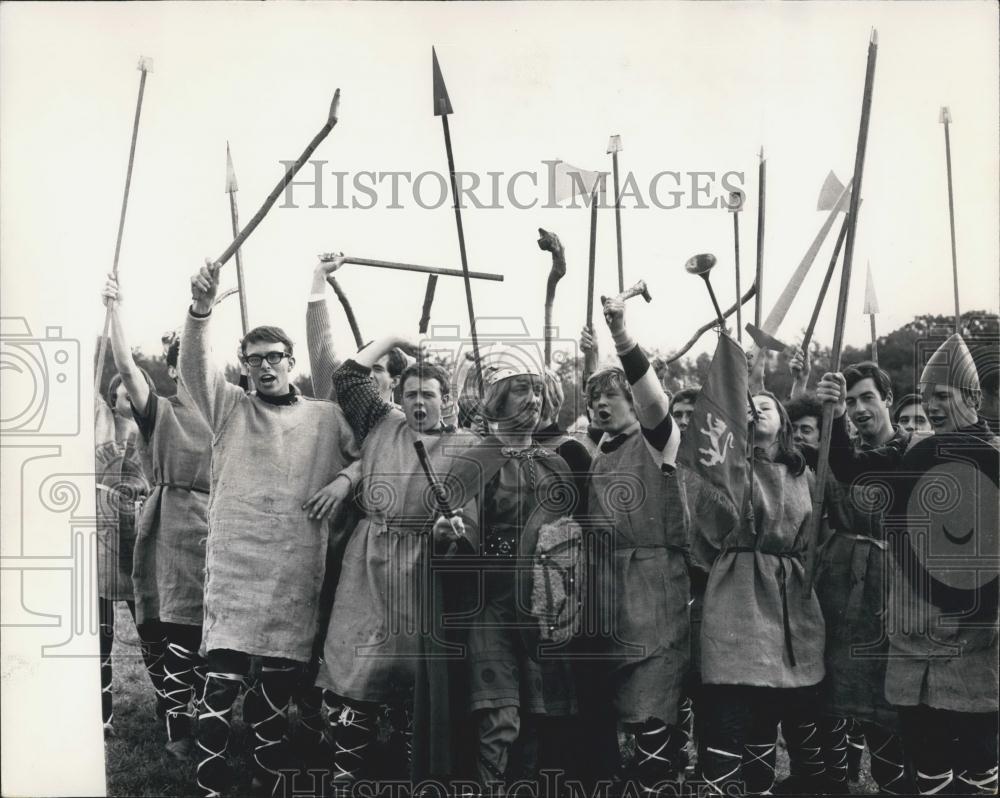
231 184
761 153
334 107
442 103
614 144
871 301
874 39
145 64
945 116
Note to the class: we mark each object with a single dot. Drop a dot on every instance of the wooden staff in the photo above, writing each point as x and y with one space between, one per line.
823 465
145 66
710 325
549 242
871 309
807 338
759 279
345 303
442 108
413 267
614 147
735 206
945 119
290 172
590 361
231 188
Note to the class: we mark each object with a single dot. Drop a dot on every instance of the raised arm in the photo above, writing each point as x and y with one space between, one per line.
135 383
211 393
652 407
319 340
799 368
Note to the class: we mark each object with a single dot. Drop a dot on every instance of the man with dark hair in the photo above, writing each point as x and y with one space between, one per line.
909 414
272 450
805 412
851 589
682 406
941 622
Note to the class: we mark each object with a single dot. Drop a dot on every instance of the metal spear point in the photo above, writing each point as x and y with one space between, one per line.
871 309
615 147
145 66
945 119
290 172
231 188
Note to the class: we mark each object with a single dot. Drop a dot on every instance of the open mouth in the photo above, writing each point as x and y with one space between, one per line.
937 421
267 379
604 416
419 415
859 420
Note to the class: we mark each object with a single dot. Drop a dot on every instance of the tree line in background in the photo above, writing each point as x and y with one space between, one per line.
901 352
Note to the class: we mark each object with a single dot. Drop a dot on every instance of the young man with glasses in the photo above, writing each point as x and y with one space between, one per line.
272 450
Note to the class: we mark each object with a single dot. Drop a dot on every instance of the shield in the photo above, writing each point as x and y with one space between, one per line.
947 505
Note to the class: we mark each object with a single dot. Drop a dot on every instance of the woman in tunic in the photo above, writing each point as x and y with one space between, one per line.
762 636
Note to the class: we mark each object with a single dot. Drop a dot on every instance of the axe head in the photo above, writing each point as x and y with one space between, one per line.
614 144
945 116
639 289
830 193
764 340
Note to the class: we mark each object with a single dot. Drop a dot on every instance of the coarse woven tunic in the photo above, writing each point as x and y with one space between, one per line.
935 658
758 626
853 592
265 557
373 637
169 568
531 487
639 505
121 484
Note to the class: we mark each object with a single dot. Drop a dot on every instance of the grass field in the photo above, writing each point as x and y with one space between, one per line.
138 764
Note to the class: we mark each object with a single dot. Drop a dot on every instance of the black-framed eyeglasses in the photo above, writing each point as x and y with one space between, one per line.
273 358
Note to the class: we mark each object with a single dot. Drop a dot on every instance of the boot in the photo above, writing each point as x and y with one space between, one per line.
805 754
835 755
270 727
153 653
758 768
657 762
107 700
855 748
353 736
214 726
179 687
888 766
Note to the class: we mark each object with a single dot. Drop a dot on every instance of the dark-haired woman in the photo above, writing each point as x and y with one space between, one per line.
762 635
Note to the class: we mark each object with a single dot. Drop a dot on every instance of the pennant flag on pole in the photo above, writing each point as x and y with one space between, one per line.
567 181
715 444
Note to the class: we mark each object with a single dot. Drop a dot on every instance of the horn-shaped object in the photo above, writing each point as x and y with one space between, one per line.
701 265
830 193
763 340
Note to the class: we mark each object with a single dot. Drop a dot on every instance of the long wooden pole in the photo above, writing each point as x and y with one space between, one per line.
345 303
759 278
289 175
413 267
615 146
823 465
739 307
234 214
807 338
592 259
946 121
145 66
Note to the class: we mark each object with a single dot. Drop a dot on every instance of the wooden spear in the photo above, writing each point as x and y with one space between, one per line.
442 108
145 66
807 338
413 267
735 206
290 172
590 361
945 119
759 278
614 147
231 188
823 465
871 308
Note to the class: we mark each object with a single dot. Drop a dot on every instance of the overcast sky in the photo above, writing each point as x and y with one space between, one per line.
689 87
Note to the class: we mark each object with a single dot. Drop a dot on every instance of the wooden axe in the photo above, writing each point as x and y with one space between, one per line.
764 340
